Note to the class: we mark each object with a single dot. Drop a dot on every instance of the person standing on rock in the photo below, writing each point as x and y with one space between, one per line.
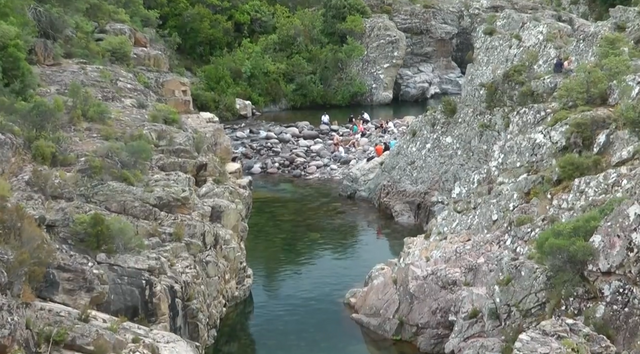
325 119
336 142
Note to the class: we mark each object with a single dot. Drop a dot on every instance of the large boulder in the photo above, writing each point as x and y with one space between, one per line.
385 49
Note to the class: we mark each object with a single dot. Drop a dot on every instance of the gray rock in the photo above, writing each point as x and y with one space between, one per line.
311 169
310 134
385 50
241 135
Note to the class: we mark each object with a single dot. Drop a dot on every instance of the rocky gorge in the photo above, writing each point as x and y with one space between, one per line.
509 188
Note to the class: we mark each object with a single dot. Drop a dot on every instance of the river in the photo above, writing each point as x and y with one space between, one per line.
341 114
307 248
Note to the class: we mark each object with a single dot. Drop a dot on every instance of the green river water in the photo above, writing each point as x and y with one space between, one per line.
307 248
341 114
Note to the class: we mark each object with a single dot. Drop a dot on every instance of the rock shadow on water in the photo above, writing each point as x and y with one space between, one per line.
376 344
234 335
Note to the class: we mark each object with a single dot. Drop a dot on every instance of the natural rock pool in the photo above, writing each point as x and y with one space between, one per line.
307 248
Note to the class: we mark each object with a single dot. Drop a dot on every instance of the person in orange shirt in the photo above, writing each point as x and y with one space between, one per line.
379 150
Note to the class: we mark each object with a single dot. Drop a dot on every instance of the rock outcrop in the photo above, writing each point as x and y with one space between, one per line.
188 218
385 49
484 182
416 51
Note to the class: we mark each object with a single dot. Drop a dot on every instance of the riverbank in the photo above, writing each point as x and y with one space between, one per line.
303 150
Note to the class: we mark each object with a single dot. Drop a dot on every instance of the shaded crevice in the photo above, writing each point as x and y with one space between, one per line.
463 50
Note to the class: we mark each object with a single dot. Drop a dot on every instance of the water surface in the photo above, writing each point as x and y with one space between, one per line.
307 248
341 114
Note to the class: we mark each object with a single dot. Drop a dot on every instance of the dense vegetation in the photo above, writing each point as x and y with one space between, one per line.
243 48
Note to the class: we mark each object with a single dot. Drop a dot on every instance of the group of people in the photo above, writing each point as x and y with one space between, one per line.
358 131
561 66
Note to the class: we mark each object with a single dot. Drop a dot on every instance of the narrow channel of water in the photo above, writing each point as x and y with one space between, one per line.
307 247
341 114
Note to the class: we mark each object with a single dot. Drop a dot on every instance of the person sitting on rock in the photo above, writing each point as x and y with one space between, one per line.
386 147
558 66
382 126
365 117
352 119
325 119
392 143
379 150
341 150
568 66
390 127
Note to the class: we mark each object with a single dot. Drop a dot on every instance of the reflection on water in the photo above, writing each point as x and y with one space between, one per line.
341 114
307 247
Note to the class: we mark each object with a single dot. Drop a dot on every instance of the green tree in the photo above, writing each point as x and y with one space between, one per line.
16 75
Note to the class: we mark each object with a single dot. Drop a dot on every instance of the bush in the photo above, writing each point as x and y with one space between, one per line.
5 190
117 49
489 31
124 162
31 253
16 76
628 114
449 107
109 235
565 249
572 166
558 117
587 87
43 152
84 106
164 114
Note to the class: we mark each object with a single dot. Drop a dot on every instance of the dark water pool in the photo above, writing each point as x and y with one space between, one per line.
341 114
307 247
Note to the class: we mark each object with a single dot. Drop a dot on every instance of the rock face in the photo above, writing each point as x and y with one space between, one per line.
481 182
417 51
385 50
189 213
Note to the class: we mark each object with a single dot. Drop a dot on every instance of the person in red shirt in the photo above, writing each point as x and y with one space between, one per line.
379 150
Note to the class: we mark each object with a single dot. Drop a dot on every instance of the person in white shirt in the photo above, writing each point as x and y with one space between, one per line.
365 117
325 119
341 151
390 127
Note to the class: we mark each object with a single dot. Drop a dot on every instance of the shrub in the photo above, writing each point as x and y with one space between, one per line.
5 190
124 162
449 107
558 117
43 152
117 49
628 114
572 166
84 106
474 313
142 80
489 31
587 87
164 114
178 232
109 235
565 249
31 253
386 10
522 220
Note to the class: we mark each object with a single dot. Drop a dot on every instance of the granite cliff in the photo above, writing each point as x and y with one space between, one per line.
124 229
526 185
